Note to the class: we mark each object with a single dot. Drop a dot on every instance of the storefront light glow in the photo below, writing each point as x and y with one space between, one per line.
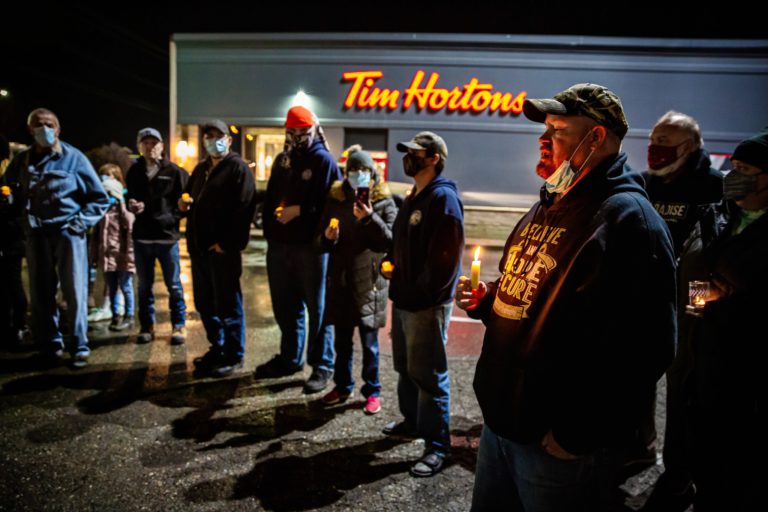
300 99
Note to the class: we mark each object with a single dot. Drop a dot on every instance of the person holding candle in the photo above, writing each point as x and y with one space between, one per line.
154 186
687 192
356 234
581 323
219 211
298 186
726 384
427 246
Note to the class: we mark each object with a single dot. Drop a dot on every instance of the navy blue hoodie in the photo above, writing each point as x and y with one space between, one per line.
305 183
581 324
427 245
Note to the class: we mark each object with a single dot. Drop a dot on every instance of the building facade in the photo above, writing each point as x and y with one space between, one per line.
378 89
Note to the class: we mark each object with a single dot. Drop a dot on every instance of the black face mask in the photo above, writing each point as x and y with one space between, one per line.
412 164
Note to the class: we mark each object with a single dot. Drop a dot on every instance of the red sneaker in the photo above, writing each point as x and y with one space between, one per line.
372 405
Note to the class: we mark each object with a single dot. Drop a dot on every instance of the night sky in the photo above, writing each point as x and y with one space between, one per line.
103 66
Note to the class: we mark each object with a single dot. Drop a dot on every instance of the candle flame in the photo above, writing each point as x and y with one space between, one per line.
477 252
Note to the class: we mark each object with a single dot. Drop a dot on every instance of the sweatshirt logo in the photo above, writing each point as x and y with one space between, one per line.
671 212
528 263
306 175
415 218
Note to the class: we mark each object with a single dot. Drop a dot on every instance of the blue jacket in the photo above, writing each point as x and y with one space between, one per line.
306 182
59 191
428 242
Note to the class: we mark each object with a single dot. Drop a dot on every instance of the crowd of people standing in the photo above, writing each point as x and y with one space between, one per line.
566 379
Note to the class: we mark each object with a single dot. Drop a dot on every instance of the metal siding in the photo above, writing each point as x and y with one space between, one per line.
252 81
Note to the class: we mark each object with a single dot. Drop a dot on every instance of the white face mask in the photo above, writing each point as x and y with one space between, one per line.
562 178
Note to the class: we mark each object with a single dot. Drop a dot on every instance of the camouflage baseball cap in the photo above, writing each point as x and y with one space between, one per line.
590 100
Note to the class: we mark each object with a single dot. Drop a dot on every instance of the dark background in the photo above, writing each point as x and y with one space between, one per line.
104 67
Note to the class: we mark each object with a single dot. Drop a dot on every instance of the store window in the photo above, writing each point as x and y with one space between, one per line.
260 148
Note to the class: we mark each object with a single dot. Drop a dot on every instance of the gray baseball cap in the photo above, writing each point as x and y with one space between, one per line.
148 132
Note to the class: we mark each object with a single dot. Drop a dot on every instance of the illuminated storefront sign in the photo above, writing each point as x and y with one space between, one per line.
473 96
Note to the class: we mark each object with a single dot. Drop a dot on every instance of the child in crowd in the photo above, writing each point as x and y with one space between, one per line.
112 247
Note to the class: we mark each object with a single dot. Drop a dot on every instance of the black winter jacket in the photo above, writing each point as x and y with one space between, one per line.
356 293
160 195
223 205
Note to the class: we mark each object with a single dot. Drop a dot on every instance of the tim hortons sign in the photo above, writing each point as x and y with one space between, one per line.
472 96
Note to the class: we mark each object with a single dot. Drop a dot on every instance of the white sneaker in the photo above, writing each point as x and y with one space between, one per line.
99 314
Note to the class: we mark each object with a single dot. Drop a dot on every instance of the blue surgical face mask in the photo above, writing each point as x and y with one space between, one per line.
562 178
216 147
45 136
359 178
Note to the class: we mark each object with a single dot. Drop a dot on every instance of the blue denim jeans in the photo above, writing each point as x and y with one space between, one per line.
53 259
423 386
342 374
219 300
297 281
523 477
122 281
168 256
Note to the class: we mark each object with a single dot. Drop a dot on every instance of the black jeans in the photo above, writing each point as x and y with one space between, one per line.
13 300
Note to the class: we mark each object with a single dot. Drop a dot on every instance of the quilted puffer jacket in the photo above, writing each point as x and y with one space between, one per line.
356 293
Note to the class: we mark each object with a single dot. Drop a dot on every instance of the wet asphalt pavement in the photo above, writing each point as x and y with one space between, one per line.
136 431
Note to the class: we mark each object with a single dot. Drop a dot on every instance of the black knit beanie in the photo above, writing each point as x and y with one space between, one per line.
754 150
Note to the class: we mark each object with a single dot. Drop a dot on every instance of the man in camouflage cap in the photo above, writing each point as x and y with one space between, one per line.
567 366
590 100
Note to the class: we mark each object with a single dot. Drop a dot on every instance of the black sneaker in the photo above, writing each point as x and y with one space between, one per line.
317 381
121 325
146 334
226 369
179 335
274 369
399 430
207 362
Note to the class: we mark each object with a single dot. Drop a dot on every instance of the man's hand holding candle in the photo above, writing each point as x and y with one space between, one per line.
286 214
332 231
468 298
185 201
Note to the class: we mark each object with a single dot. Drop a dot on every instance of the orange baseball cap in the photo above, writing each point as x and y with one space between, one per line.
299 117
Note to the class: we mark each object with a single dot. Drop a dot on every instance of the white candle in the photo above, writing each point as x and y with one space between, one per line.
475 274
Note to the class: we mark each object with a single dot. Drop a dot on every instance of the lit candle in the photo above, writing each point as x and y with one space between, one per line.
185 197
475 274
5 190
334 223
387 267
278 211
699 302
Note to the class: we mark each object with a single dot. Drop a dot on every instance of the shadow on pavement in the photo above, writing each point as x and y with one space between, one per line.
283 480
